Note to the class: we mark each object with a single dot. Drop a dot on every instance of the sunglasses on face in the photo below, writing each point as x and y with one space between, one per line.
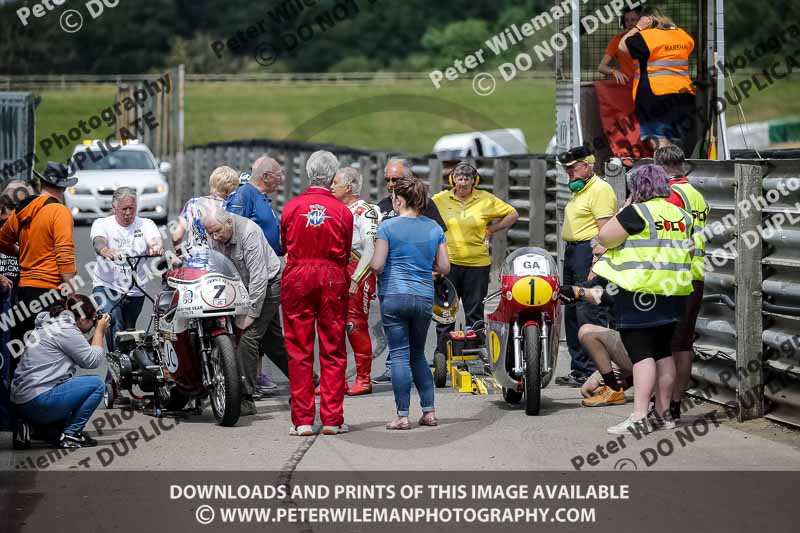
392 179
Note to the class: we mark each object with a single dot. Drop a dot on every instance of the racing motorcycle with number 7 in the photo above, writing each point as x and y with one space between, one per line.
191 354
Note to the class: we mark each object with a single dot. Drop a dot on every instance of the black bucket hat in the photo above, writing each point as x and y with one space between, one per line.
57 174
572 156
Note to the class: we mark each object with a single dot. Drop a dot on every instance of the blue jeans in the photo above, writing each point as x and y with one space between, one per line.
406 318
73 401
125 314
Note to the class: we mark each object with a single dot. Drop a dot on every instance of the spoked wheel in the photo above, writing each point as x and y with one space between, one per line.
533 374
109 397
226 391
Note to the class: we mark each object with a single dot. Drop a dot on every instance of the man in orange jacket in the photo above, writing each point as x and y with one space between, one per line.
40 233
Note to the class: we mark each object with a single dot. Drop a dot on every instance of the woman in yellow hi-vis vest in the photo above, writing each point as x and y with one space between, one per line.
662 86
647 269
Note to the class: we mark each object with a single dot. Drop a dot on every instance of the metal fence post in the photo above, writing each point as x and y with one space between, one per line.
500 189
750 392
435 177
538 201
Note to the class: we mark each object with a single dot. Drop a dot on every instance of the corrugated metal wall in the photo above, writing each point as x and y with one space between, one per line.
779 237
17 135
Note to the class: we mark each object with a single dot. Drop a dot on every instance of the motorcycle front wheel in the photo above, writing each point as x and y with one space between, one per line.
226 394
533 375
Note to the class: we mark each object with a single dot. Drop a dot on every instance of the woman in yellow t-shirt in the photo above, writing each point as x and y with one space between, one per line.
472 217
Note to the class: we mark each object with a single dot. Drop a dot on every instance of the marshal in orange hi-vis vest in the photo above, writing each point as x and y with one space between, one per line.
668 65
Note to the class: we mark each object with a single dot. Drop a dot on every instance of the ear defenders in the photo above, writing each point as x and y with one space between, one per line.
477 176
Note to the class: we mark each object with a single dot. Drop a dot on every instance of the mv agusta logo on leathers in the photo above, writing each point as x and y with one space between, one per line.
316 215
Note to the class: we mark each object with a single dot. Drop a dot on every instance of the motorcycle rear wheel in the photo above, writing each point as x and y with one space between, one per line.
533 375
226 392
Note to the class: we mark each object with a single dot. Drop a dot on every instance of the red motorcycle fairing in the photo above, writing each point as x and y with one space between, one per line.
189 376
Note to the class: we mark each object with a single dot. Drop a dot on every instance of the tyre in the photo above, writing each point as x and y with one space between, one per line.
226 392
439 370
532 347
177 400
511 396
109 397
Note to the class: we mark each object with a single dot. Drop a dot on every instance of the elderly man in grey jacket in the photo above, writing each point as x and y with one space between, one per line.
243 242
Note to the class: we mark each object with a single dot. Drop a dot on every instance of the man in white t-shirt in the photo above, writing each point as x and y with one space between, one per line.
120 235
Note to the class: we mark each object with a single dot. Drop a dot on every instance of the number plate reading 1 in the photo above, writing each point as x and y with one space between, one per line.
532 291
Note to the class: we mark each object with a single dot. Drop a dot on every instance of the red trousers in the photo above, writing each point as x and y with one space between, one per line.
357 324
315 295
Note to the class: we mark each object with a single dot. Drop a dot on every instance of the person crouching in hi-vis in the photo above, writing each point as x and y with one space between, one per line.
685 196
346 187
648 265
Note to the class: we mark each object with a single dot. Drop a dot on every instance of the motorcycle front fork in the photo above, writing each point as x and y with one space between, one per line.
519 357
204 354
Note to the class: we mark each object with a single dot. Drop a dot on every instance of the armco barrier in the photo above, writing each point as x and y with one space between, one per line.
752 285
529 183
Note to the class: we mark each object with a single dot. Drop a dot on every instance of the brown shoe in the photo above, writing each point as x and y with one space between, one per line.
427 420
605 396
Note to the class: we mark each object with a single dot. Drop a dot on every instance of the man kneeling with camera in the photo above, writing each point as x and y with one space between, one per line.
45 389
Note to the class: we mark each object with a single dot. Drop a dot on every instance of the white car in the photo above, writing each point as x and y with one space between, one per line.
101 168
492 143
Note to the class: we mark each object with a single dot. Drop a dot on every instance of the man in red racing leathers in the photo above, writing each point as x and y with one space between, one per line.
347 187
317 232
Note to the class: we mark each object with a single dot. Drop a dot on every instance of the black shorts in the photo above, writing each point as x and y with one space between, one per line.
683 338
651 342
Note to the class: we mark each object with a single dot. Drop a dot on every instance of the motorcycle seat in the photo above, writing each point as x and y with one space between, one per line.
164 301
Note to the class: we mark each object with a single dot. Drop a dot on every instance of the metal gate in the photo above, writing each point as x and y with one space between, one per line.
17 135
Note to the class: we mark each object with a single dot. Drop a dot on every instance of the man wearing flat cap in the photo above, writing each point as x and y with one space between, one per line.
593 203
40 233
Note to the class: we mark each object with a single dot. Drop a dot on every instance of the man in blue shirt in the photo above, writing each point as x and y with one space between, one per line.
251 200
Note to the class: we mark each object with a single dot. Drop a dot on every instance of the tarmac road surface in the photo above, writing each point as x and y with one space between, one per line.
475 433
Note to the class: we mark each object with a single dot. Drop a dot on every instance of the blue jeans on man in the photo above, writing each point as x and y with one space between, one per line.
123 316
406 319
72 401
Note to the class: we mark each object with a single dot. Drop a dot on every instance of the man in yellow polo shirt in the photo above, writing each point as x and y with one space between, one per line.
472 216
593 203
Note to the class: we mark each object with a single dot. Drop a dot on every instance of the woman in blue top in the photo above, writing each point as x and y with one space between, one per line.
407 248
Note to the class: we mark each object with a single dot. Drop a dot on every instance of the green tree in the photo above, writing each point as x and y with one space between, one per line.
455 40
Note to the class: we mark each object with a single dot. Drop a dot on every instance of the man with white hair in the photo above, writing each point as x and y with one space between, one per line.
317 233
241 240
252 201
124 233
347 187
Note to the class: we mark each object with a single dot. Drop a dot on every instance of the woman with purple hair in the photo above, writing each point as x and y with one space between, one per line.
647 269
